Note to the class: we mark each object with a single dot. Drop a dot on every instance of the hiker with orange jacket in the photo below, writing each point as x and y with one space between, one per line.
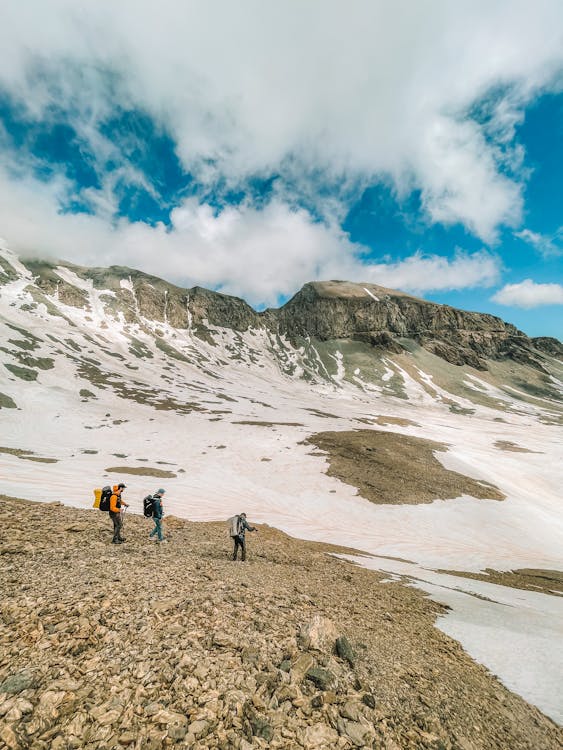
115 504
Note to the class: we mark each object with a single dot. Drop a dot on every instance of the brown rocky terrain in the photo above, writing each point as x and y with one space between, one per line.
390 468
146 646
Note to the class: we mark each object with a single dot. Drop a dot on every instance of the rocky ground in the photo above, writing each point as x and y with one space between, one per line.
147 646
394 469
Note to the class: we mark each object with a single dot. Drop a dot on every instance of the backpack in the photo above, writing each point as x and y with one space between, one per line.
233 525
105 498
148 506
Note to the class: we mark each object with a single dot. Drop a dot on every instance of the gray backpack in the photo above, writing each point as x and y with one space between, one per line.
233 525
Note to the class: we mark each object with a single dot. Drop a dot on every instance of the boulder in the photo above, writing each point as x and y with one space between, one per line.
345 651
320 736
319 634
324 679
301 666
17 682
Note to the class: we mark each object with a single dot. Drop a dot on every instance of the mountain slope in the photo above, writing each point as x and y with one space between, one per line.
110 374
178 646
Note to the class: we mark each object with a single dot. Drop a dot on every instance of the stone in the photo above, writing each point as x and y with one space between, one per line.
177 731
250 655
361 733
152 708
351 710
319 634
301 666
223 639
8 736
127 738
109 718
345 651
320 736
170 717
18 682
324 679
368 700
199 728
259 726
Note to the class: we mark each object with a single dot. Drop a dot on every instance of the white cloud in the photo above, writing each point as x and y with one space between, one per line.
259 254
548 246
344 92
528 294
424 273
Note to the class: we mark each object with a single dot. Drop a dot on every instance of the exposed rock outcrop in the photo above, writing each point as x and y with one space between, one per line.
382 317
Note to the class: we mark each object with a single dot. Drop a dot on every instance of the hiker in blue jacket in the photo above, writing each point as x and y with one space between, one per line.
157 513
239 540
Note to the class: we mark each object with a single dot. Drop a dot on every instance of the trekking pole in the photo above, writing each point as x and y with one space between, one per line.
122 513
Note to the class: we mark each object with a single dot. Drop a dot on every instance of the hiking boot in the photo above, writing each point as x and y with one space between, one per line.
117 541
123 539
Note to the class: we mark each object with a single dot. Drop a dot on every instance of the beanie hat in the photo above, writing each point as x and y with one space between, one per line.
160 492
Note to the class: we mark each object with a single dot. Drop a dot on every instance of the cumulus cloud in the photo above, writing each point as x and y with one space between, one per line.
422 273
260 254
316 90
528 294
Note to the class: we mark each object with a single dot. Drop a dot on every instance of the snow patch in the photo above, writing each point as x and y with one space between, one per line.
371 294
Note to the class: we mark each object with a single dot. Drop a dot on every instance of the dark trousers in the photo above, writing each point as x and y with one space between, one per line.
239 542
116 518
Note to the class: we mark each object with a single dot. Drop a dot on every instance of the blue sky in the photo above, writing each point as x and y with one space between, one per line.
250 154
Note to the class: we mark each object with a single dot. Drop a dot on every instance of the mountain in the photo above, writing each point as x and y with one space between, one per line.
427 437
369 320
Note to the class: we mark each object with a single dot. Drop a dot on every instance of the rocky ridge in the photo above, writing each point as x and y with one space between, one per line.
148 646
383 319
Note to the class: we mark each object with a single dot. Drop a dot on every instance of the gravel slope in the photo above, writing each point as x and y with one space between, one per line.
148 646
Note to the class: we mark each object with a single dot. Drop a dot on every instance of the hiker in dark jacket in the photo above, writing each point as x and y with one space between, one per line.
115 503
157 514
240 540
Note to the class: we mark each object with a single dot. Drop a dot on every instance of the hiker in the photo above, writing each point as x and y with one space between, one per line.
157 513
115 504
241 528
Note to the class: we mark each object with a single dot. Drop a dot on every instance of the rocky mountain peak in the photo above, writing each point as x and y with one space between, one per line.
385 318
381 319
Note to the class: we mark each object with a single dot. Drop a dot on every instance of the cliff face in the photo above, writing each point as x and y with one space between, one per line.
381 317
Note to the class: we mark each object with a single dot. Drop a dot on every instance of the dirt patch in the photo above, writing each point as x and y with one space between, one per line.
530 579
22 372
399 421
324 414
388 468
27 455
506 445
143 471
6 402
